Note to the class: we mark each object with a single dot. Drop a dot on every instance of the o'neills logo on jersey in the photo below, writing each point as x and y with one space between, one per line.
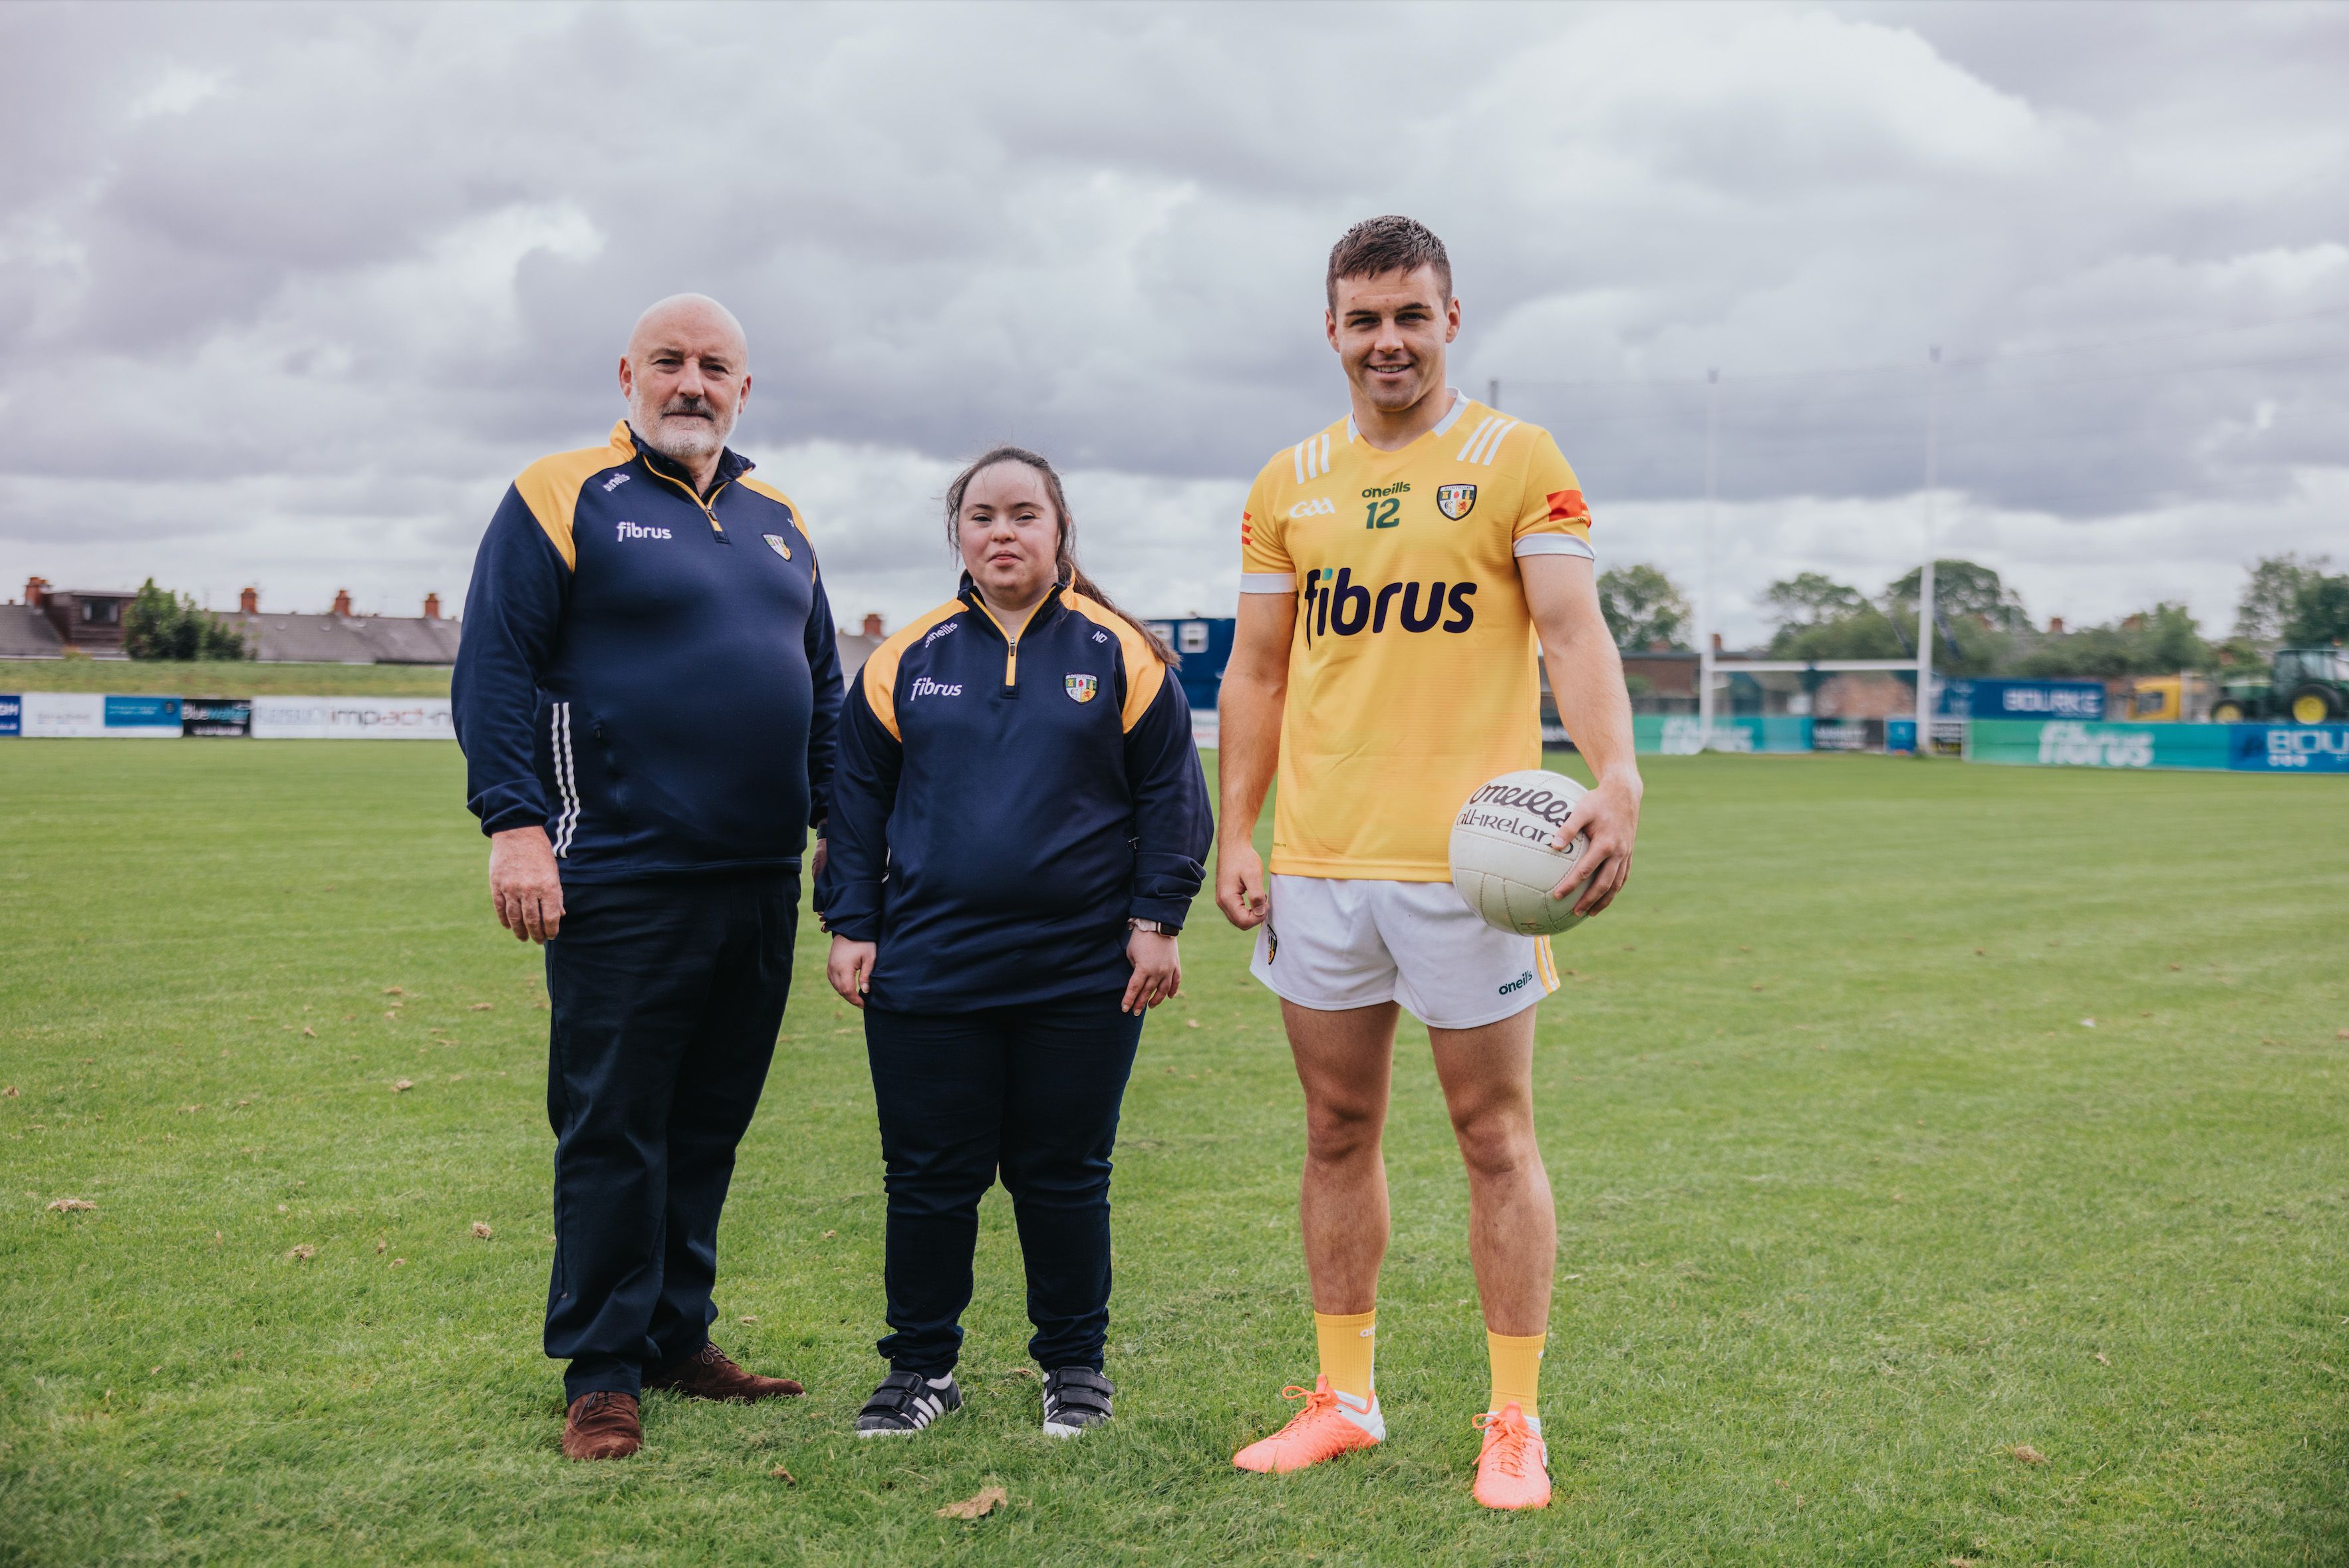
1337 606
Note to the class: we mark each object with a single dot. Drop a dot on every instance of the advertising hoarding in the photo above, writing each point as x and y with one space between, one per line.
1967 698
12 715
2070 744
2288 748
1683 734
352 718
92 716
219 715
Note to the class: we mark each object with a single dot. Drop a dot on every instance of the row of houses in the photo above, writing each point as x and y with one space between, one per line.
52 621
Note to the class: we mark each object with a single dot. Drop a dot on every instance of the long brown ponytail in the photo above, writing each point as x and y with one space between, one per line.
1064 555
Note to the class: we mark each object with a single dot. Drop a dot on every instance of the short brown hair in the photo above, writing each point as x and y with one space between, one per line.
1389 244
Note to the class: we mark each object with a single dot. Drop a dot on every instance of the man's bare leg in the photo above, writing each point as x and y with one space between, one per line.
1487 1078
1345 1060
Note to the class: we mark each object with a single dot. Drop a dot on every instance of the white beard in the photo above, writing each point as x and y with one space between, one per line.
685 440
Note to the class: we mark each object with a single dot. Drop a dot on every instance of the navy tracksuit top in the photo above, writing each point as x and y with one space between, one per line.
648 673
1002 806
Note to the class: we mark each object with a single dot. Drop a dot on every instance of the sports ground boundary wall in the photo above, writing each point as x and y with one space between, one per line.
92 716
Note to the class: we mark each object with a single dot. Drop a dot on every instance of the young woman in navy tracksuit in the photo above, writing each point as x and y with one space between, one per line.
1019 822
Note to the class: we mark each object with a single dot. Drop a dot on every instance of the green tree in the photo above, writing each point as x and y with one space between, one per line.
2270 593
1977 618
2320 612
1963 590
1812 598
1642 607
161 625
2163 640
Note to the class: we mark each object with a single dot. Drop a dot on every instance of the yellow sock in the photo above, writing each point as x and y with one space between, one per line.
1348 1347
1517 1370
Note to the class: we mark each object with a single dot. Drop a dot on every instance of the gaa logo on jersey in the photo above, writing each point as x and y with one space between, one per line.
776 540
1456 501
1082 688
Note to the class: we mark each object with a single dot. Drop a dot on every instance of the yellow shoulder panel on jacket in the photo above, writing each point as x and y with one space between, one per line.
1143 672
761 487
879 677
550 487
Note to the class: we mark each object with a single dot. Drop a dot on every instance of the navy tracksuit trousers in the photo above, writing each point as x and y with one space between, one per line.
668 994
1032 1091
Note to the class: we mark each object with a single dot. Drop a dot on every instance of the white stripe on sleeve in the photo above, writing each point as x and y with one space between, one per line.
1553 544
1268 581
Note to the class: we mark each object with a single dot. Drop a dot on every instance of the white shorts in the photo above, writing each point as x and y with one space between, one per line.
1333 944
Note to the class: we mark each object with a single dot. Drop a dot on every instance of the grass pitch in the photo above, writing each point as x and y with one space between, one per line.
1859 1213
221 678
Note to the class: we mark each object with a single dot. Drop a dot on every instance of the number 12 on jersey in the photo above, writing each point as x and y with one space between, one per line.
1383 514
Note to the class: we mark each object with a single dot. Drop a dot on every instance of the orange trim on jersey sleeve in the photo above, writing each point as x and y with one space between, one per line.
761 487
1143 673
879 675
550 487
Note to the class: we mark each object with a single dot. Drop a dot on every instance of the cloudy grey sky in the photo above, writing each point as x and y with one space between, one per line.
288 294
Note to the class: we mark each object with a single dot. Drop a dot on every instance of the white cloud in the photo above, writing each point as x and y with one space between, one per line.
289 295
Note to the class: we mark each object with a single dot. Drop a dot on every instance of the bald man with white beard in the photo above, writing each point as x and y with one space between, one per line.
647 695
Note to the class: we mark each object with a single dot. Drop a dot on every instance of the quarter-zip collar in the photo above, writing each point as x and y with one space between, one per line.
731 466
969 594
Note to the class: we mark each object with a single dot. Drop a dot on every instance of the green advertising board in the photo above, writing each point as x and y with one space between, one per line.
1683 734
2064 743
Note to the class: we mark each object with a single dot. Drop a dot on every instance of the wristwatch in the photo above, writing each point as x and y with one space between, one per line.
1155 927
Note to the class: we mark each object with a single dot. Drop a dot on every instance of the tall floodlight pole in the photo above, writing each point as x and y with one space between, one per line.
1925 577
1704 617
1493 393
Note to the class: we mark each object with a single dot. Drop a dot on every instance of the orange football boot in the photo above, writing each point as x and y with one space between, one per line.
1513 1469
1322 1430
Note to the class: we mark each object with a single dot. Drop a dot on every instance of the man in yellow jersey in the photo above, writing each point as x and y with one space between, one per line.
1401 571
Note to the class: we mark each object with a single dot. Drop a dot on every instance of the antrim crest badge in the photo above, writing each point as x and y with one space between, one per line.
1082 688
1456 501
776 540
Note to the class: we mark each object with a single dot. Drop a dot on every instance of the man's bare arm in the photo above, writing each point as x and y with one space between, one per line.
1254 694
1585 674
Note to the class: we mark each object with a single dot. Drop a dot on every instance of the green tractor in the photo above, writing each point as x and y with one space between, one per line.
2307 685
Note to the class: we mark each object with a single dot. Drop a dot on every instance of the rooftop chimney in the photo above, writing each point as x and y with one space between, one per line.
873 623
2055 625
342 601
248 601
36 591
432 606
1716 644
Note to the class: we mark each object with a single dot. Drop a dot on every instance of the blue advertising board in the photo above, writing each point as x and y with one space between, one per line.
156 713
2021 699
2288 748
12 716
1204 646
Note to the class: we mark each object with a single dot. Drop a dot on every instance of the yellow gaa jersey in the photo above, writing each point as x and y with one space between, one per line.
1412 676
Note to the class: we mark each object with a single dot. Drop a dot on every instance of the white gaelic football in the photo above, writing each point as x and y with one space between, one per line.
1503 861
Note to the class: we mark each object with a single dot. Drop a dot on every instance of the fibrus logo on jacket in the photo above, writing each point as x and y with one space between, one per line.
656 698
995 844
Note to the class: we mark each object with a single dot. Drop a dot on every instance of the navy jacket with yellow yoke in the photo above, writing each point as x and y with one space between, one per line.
1001 808
646 673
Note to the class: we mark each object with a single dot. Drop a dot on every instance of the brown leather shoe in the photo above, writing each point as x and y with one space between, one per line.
711 1374
602 1426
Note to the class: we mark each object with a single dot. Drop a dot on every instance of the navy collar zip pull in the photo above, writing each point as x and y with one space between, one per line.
1036 617
731 466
